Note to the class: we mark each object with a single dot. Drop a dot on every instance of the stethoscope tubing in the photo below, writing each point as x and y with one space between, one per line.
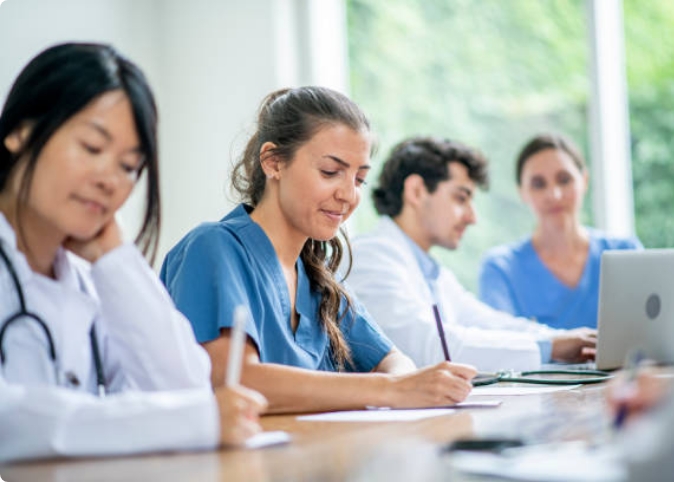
584 377
24 313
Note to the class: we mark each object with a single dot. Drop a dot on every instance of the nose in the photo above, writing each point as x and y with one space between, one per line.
470 215
556 192
348 192
106 175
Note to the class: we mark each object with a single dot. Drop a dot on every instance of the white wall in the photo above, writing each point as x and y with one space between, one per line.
210 62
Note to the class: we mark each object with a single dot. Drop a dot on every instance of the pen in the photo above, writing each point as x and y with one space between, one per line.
441 332
236 343
632 362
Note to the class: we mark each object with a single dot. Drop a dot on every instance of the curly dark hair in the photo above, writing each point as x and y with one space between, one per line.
429 157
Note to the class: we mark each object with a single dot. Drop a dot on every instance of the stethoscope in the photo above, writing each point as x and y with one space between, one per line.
578 377
24 313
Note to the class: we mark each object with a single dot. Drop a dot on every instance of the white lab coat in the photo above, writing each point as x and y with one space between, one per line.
387 279
146 345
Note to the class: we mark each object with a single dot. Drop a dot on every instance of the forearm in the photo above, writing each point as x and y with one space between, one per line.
157 343
51 421
290 389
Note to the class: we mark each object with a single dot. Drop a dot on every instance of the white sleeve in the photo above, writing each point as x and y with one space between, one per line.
41 422
149 338
473 312
383 283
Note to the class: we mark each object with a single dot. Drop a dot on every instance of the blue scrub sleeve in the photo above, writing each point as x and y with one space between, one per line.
546 350
495 289
205 276
369 345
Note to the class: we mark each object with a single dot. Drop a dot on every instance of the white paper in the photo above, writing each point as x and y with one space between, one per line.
265 439
563 462
376 415
501 390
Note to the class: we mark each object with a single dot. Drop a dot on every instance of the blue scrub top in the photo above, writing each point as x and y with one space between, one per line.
514 279
219 266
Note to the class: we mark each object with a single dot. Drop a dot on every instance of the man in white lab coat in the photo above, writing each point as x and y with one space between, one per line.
425 197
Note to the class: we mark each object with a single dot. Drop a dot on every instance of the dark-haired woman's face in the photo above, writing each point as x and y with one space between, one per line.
86 170
321 186
553 186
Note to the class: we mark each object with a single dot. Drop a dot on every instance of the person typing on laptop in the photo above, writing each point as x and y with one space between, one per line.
425 196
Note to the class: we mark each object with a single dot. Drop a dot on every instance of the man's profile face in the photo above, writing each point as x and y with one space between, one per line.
448 211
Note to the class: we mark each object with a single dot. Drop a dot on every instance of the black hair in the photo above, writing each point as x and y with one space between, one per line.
542 142
57 84
428 157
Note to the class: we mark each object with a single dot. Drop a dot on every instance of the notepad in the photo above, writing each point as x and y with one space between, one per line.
376 415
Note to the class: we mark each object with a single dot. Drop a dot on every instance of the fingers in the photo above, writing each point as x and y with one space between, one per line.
588 353
452 383
255 399
467 372
239 410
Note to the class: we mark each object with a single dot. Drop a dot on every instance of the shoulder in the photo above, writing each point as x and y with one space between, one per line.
606 241
385 239
212 243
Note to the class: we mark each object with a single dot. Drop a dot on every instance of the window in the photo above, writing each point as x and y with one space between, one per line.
488 73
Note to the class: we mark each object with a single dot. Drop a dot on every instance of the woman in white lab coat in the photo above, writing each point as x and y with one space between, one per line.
81 312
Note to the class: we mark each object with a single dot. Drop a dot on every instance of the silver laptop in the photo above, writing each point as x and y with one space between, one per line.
636 306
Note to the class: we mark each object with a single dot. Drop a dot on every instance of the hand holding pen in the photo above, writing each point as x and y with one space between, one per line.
637 391
239 407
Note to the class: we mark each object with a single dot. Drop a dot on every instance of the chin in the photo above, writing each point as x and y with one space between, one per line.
84 233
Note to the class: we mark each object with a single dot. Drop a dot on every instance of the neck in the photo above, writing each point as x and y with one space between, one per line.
287 242
35 238
556 239
409 225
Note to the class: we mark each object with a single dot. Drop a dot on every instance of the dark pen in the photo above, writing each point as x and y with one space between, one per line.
441 332
632 363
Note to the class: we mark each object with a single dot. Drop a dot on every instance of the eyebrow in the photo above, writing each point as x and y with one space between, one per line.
468 192
346 164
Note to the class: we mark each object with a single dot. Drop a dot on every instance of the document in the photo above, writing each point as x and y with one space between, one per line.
558 462
267 439
377 415
500 390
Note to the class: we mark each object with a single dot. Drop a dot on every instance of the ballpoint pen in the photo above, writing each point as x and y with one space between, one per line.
236 344
632 362
441 332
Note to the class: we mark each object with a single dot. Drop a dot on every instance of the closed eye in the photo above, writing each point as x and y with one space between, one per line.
92 149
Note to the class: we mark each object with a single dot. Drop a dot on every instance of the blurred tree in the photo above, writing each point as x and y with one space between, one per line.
650 75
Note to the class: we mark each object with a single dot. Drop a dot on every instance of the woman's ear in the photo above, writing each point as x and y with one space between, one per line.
16 140
269 161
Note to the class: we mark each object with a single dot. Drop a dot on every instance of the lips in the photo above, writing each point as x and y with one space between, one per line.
336 216
92 205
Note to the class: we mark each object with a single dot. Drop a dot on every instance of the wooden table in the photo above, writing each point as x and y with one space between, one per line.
324 451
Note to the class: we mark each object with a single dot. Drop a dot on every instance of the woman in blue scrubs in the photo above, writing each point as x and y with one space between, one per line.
553 276
310 345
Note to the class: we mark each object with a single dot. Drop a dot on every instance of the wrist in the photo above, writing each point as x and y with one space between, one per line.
385 390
